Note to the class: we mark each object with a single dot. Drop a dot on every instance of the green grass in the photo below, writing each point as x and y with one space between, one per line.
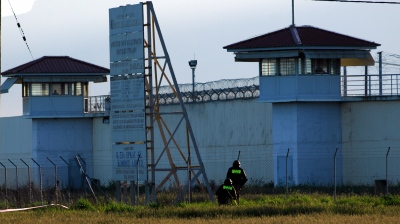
256 206
260 208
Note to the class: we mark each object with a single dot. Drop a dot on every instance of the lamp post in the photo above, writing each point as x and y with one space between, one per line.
192 64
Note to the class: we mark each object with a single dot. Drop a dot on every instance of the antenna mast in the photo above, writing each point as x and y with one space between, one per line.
293 12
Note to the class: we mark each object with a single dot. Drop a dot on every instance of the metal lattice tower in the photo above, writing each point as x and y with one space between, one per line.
157 66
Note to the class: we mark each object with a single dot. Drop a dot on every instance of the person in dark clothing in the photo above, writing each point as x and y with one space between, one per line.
226 193
238 176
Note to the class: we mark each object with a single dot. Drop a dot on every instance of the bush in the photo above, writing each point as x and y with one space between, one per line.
84 204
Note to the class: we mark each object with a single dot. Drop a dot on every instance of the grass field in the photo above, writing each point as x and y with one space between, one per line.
297 208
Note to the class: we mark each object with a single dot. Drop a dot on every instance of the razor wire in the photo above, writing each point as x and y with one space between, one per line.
221 90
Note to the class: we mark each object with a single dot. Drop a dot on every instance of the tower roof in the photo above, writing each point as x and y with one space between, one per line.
303 37
56 65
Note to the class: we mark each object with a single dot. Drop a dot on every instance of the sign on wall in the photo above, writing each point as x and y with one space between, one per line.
129 161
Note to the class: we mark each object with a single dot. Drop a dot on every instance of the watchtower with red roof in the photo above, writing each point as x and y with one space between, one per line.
55 98
300 74
55 86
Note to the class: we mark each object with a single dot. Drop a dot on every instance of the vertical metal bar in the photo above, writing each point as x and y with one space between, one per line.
137 175
41 180
188 166
55 179
125 190
193 83
344 81
5 183
151 105
146 189
16 174
366 81
369 85
380 73
287 182
391 85
387 178
118 190
132 192
29 181
334 174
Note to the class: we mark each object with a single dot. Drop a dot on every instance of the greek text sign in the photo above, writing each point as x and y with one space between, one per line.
129 162
127 46
128 126
126 19
127 67
127 93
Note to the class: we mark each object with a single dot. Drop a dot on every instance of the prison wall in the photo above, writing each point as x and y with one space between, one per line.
221 130
369 128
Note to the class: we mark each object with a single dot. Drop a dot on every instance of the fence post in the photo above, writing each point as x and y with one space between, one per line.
387 181
68 186
287 183
29 181
41 179
55 179
5 183
334 174
16 180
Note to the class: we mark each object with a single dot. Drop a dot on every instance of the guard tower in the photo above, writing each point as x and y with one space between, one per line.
300 74
55 98
55 86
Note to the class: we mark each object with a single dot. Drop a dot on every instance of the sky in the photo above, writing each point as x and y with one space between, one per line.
192 29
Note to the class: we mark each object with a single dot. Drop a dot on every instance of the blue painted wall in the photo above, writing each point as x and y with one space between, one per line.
311 132
62 137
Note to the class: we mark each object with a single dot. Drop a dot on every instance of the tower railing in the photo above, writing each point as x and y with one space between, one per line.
370 85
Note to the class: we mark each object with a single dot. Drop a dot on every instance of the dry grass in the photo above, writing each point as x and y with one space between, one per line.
96 217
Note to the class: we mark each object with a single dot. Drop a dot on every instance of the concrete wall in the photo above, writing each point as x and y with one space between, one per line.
369 129
311 132
102 160
58 139
15 144
222 129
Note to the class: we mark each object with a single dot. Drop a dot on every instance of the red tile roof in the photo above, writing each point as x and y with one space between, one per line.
301 36
57 65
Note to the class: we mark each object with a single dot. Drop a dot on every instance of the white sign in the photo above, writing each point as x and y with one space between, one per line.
129 161
127 93
127 67
126 47
128 126
126 19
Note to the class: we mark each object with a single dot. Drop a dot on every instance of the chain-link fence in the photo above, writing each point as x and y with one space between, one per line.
56 180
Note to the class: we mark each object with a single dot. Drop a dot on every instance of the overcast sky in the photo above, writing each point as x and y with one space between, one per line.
191 28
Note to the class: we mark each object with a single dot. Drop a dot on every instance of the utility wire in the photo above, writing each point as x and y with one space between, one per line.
378 2
20 30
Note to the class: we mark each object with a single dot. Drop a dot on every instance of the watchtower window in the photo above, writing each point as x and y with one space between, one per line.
269 67
76 88
287 66
59 88
326 66
25 90
40 89
305 66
